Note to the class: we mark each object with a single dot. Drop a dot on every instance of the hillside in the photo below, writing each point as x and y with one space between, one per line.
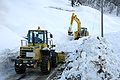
54 16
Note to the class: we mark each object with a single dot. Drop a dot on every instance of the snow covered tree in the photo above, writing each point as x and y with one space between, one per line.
110 6
75 2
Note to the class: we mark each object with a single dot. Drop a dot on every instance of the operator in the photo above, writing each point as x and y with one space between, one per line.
37 39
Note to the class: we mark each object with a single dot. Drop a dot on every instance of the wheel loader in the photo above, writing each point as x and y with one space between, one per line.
81 31
38 52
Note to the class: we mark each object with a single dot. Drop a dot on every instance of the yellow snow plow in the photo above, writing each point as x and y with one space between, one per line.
38 52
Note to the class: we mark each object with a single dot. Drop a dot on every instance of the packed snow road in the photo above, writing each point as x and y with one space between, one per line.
29 75
34 74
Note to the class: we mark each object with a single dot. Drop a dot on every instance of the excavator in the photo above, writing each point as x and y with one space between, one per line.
81 31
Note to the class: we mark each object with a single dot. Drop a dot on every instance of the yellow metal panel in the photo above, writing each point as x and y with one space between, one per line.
37 53
61 56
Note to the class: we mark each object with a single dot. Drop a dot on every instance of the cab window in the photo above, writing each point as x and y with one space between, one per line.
39 36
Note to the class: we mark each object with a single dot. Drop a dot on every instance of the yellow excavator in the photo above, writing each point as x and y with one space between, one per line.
81 31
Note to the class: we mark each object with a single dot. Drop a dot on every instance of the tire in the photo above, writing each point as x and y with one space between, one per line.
45 65
54 59
20 69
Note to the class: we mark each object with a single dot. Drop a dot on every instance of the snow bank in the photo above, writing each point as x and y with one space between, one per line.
9 39
6 64
114 39
92 59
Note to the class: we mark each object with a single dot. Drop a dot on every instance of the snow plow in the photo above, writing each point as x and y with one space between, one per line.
38 52
81 31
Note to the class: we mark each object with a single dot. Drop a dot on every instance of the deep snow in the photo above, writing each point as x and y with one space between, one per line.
19 16
92 59
16 17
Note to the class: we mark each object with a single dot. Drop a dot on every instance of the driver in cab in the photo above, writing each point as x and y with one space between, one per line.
37 39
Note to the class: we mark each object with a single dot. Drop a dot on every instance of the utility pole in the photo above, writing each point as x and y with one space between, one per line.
101 18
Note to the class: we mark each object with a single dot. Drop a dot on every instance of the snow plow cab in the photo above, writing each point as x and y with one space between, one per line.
38 52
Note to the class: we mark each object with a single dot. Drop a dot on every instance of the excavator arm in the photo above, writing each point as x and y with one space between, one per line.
70 27
76 33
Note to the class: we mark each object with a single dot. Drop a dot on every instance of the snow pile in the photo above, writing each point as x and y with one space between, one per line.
114 39
6 65
9 39
93 60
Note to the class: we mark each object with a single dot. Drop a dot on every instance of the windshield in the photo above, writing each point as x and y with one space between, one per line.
37 36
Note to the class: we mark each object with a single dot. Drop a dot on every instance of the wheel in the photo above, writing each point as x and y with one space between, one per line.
20 69
54 59
45 65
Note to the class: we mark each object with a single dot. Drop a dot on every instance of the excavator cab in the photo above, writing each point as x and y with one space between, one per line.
84 32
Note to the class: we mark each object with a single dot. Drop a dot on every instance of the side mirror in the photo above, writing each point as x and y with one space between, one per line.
53 45
26 37
51 36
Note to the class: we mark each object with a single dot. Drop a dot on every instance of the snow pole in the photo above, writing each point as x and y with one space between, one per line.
101 18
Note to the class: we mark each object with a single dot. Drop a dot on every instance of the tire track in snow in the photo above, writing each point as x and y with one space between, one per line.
34 74
58 8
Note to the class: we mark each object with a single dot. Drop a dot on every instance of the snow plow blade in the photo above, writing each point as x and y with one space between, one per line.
61 57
